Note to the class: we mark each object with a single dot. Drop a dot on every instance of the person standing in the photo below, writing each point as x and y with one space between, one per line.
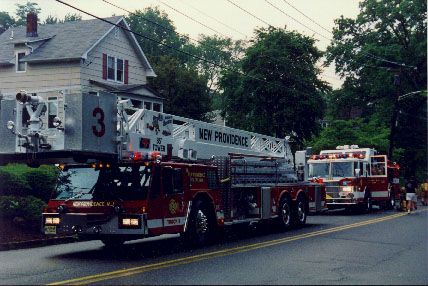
411 198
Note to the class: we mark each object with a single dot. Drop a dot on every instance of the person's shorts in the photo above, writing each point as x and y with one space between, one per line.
411 197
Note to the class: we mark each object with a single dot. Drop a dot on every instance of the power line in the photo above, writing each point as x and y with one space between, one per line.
310 19
297 20
215 31
163 27
362 52
215 19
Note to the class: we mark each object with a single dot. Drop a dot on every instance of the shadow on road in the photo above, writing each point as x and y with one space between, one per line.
155 248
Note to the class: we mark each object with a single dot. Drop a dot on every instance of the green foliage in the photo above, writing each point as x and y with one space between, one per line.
184 89
67 18
20 180
155 24
29 208
6 21
394 30
352 132
23 10
280 95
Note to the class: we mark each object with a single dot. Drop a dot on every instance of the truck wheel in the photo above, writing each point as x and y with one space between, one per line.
200 224
301 212
112 242
284 215
391 202
368 204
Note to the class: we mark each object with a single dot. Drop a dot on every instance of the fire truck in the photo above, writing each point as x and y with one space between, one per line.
355 177
128 173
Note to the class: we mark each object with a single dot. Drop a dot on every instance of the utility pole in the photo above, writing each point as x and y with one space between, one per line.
397 83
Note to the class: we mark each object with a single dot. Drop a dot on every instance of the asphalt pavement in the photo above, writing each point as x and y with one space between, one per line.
382 247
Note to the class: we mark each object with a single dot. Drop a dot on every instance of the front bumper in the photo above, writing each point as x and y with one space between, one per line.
87 224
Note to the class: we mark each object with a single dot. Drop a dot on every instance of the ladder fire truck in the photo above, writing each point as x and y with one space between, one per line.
355 177
128 173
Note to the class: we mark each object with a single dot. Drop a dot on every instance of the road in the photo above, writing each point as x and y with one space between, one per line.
382 247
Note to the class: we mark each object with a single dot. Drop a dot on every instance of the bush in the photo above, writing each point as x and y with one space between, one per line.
41 182
20 180
13 185
29 208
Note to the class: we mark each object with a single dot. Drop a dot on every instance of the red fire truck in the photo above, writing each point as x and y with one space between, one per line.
355 177
125 177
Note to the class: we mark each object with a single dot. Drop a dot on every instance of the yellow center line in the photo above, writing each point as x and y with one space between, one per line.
200 257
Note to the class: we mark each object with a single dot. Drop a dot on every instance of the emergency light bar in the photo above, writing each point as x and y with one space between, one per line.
139 156
338 156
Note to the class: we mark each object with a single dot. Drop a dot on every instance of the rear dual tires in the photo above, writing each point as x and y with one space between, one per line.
292 215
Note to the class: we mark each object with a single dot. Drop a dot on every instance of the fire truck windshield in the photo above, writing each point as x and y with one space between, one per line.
119 182
331 169
321 170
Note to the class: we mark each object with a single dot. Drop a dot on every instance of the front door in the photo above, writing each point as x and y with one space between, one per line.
378 179
175 205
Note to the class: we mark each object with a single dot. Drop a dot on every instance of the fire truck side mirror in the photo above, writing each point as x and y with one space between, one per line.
357 173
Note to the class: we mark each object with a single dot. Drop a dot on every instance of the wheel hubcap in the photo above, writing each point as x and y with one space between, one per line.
301 212
285 214
201 223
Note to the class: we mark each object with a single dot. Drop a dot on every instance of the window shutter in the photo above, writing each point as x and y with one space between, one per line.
126 72
104 66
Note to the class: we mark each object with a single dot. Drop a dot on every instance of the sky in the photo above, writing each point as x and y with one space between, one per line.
313 18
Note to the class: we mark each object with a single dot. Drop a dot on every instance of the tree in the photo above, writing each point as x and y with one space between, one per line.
6 21
67 18
23 10
183 88
158 28
388 38
278 92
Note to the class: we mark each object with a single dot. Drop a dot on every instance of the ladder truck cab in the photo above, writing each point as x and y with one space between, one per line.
129 173
355 176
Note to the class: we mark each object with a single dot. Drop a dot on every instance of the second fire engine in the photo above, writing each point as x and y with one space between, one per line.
355 177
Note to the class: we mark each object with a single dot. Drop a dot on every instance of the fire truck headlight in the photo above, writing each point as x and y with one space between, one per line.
126 221
347 189
134 221
52 220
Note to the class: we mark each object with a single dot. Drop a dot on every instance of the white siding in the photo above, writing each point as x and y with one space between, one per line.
39 77
121 48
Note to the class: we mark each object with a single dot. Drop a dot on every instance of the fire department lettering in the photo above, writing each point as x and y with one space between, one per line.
174 221
92 204
223 137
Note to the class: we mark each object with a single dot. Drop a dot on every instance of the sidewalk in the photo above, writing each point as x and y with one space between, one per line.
37 243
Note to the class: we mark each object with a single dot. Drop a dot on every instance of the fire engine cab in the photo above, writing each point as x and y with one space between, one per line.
129 173
355 176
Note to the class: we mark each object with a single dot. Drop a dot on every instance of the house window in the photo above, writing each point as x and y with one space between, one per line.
52 110
115 68
119 71
116 32
20 65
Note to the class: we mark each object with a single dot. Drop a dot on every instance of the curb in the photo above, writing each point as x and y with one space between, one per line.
37 243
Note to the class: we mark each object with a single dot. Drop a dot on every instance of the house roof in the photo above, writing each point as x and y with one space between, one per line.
64 41
128 89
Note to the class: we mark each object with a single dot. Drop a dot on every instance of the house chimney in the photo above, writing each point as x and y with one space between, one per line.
32 24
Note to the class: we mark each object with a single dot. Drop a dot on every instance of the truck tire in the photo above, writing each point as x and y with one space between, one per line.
368 203
284 213
300 212
391 201
200 226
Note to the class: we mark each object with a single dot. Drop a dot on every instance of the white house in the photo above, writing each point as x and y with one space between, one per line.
85 55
